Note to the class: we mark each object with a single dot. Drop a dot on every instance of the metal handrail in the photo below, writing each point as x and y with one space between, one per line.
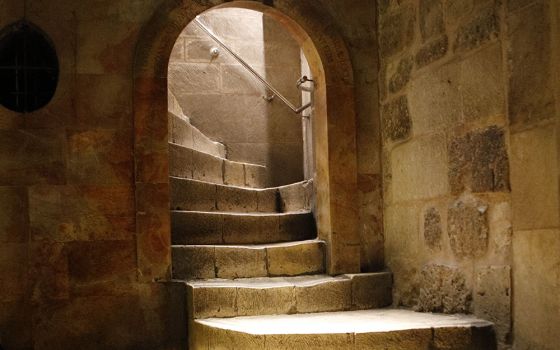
296 110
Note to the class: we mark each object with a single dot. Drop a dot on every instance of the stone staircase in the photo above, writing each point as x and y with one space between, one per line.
254 269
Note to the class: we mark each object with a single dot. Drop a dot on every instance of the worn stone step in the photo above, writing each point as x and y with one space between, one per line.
183 133
345 330
189 194
192 164
288 295
196 227
242 261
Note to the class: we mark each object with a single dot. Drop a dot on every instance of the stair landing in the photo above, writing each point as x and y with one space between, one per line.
368 329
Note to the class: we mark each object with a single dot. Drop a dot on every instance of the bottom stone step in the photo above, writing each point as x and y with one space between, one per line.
370 329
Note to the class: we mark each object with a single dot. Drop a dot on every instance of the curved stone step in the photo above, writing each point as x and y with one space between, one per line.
196 227
183 133
288 295
192 164
369 329
189 194
242 261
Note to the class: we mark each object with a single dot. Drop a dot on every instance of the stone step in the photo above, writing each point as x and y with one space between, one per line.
243 261
345 330
183 133
187 163
196 227
288 295
189 194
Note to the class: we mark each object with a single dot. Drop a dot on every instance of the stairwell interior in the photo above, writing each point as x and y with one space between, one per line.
243 191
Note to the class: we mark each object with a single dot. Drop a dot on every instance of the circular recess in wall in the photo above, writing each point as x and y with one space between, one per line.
28 68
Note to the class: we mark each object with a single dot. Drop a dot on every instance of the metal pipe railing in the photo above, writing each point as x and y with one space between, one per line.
209 32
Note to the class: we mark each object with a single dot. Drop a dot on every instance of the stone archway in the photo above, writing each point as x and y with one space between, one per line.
334 129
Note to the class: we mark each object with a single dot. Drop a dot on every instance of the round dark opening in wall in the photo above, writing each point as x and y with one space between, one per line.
28 68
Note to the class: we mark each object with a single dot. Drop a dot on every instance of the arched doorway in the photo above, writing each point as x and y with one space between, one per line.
334 129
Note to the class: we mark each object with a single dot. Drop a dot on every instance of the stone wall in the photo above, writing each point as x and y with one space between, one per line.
446 164
68 258
470 161
534 114
357 23
225 101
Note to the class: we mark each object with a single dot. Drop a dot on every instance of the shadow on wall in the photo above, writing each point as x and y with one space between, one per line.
226 103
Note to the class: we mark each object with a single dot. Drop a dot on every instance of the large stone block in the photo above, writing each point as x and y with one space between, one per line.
435 100
239 262
328 296
467 228
49 272
196 228
479 162
419 169
397 125
67 213
482 84
371 290
100 156
212 302
13 271
193 262
444 289
296 259
234 173
232 199
265 301
534 179
536 273
409 340
192 195
191 77
530 95
207 168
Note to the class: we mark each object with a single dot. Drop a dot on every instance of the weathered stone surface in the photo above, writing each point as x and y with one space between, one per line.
296 259
492 299
204 78
371 290
234 173
397 125
212 302
431 18
14 220
431 51
255 176
234 200
265 301
419 168
193 262
239 262
483 27
434 99
432 229
192 195
328 296
207 168
196 228
49 272
13 271
268 200
530 95
401 76
536 267
482 84
396 31
180 161
534 174
479 162
467 228
443 289
412 339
